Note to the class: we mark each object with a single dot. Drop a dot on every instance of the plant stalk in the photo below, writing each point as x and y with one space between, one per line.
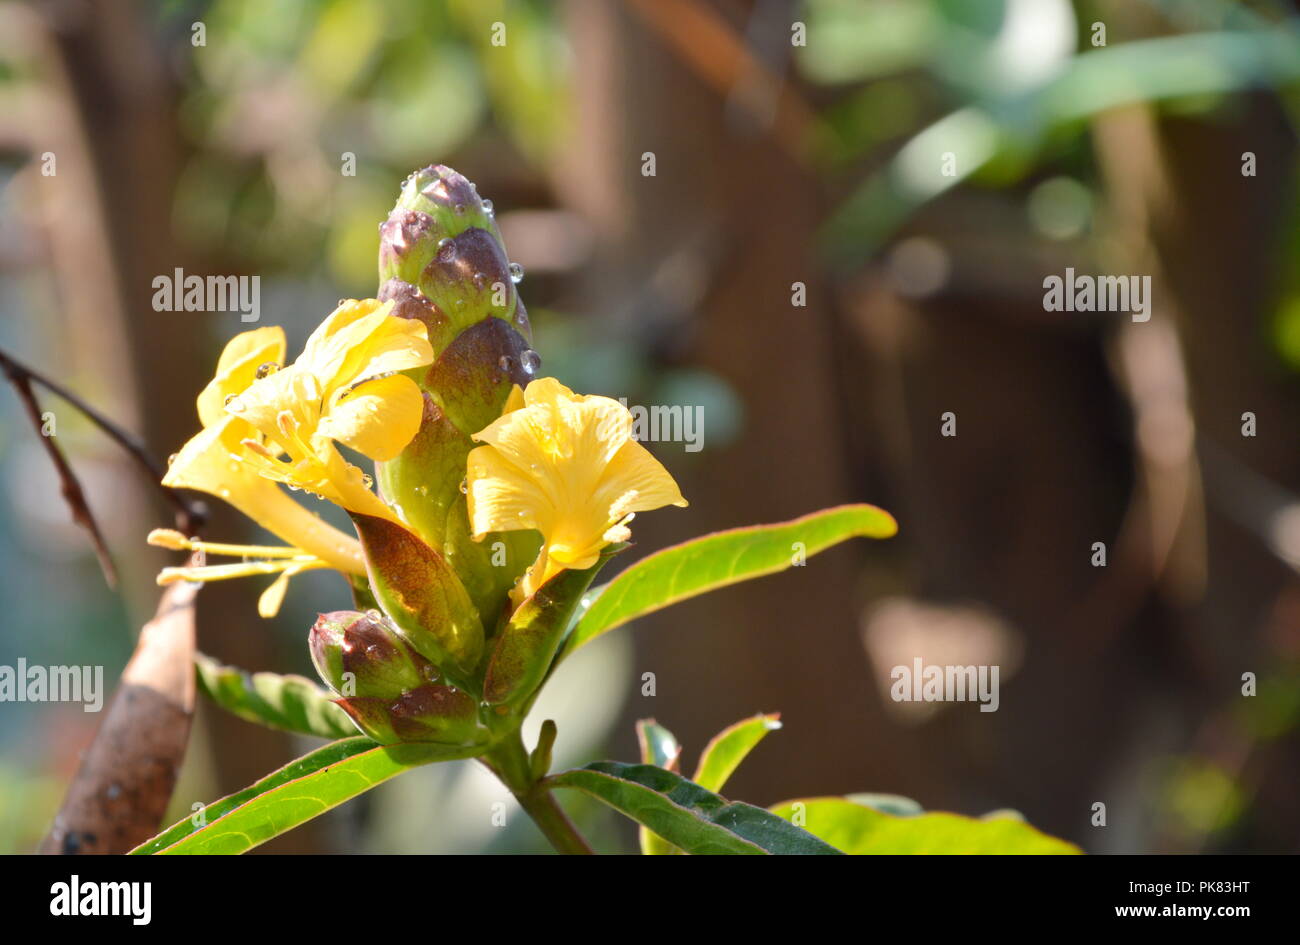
509 762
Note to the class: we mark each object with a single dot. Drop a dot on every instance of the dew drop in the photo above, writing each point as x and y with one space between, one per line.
464 487
530 361
516 273
374 616
267 369
488 207
172 458
233 403
446 249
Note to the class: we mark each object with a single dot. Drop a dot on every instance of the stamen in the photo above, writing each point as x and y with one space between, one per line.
223 572
167 538
259 448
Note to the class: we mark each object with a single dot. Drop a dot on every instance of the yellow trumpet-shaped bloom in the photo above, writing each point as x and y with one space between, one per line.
344 388
567 466
264 424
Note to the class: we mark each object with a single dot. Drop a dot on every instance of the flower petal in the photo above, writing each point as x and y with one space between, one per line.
237 368
634 481
377 419
502 497
362 339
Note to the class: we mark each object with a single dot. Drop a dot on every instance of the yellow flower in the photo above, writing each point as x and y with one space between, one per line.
344 388
567 466
263 425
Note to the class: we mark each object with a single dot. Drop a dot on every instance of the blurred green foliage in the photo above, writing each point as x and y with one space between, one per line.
281 94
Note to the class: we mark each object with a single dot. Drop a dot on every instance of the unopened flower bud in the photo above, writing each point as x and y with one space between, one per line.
362 655
427 713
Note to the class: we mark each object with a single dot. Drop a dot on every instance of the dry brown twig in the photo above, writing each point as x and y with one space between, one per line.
190 514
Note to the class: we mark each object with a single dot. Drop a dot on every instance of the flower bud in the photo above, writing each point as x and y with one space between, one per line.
427 713
441 258
362 655
442 262
390 691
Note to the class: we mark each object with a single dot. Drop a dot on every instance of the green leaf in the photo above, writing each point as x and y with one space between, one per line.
724 753
685 814
299 791
420 591
857 828
290 703
659 747
894 804
722 558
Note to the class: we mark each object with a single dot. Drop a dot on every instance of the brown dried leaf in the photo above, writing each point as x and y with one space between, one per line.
127 775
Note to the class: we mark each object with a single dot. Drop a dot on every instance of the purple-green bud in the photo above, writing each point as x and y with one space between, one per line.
442 260
428 713
362 655
390 691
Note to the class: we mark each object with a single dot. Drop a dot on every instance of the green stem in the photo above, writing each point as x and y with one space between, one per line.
509 762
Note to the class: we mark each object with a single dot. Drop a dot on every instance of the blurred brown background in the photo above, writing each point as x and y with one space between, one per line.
792 143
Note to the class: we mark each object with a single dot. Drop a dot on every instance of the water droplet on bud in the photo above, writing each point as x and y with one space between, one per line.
516 273
446 249
506 363
530 361
487 207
